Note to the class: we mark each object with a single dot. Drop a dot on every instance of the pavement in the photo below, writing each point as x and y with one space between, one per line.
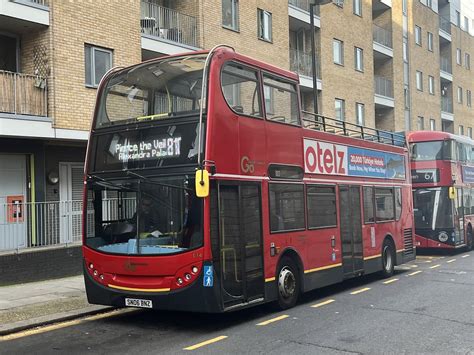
35 304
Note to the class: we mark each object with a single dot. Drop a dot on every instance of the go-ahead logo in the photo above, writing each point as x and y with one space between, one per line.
247 165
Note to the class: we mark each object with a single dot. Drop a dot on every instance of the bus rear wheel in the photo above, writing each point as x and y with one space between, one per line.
388 258
288 283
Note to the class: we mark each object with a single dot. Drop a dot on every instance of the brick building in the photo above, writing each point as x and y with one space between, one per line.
394 65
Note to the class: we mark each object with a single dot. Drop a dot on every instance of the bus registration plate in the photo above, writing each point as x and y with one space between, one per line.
137 302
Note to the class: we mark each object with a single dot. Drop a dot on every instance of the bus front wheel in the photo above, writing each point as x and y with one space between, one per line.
388 258
288 283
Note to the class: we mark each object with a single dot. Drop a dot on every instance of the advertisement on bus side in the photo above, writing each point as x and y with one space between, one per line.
336 159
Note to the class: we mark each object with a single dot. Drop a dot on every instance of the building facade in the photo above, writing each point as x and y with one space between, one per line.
393 65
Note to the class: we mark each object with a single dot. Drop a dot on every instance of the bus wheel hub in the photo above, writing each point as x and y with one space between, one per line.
286 283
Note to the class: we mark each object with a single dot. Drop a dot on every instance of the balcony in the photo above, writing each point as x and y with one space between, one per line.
383 92
445 25
22 94
301 63
168 26
21 16
304 5
446 105
382 36
298 11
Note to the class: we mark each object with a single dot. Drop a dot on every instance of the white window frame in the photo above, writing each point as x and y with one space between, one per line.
234 9
459 95
357 7
469 132
338 48
360 113
419 80
431 84
418 35
458 56
430 41
265 25
93 82
432 124
359 59
342 109
461 130
467 61
420 123
469 98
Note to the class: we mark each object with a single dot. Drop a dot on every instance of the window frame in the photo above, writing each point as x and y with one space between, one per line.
459 95
467 61
418 36
259 88
357 7
334 187
458 56
420 75
93 49
235 14
359 105
343 109
359 53
377 221
341 51
432 124
261 13
430 42
431 84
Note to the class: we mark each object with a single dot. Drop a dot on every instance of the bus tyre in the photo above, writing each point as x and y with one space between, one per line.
288 283
388 258
470 241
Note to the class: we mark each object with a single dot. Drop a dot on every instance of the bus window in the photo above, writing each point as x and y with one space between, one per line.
286 207
398 203
369 215
384 206
241 90
321 202
281 101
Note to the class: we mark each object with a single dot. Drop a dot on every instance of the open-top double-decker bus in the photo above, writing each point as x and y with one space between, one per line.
442 168
208 189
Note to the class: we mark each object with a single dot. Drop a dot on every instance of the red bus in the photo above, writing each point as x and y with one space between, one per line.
207 189
442 169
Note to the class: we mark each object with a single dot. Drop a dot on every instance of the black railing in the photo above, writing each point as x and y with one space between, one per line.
335 126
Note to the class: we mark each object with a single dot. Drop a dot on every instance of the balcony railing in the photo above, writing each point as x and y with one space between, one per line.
383 86
304 5
445 65
23 94
446 104
382 36
300 62
39 2
445 24
169 24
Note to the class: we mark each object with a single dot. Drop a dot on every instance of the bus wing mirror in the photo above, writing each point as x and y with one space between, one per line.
452 192
202 183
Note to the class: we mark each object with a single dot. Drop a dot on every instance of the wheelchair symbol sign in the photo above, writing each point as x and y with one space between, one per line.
208 280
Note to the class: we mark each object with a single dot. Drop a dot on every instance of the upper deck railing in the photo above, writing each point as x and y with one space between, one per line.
335 126
169 24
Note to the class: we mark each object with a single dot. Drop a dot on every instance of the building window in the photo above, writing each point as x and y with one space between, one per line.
230 14
467 61
406 96
339 107
432 124
359 59
405 52
459 95
264 25
466 24
360 114
461 130
97 62
431 84
357 5
420 123
338 51
286 207
469 132
404 6
321 204
430 41
419 80
429 3
339 3
418 35
458 19
469 98
458 56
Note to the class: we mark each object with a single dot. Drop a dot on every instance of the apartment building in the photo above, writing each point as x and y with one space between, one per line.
394 65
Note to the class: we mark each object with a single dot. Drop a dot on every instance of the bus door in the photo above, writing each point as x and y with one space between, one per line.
459 218
240 243
351 230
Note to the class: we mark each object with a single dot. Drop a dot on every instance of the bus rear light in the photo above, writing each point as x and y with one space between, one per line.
194 270
91 266
187 277
101 277
96 272
179 281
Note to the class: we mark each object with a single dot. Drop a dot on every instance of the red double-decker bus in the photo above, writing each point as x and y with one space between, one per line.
442 168
207 189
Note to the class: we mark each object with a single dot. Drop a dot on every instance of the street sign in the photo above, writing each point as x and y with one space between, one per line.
208 280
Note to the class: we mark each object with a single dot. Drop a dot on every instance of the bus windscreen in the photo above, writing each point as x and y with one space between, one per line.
152 91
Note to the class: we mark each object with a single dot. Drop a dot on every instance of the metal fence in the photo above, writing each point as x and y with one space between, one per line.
446 104
445 65
169 24
41 224
383 86
301 63
382 36
23 94
445 24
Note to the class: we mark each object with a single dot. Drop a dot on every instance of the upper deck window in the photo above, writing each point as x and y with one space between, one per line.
152 91
241 89
281 100
435 150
